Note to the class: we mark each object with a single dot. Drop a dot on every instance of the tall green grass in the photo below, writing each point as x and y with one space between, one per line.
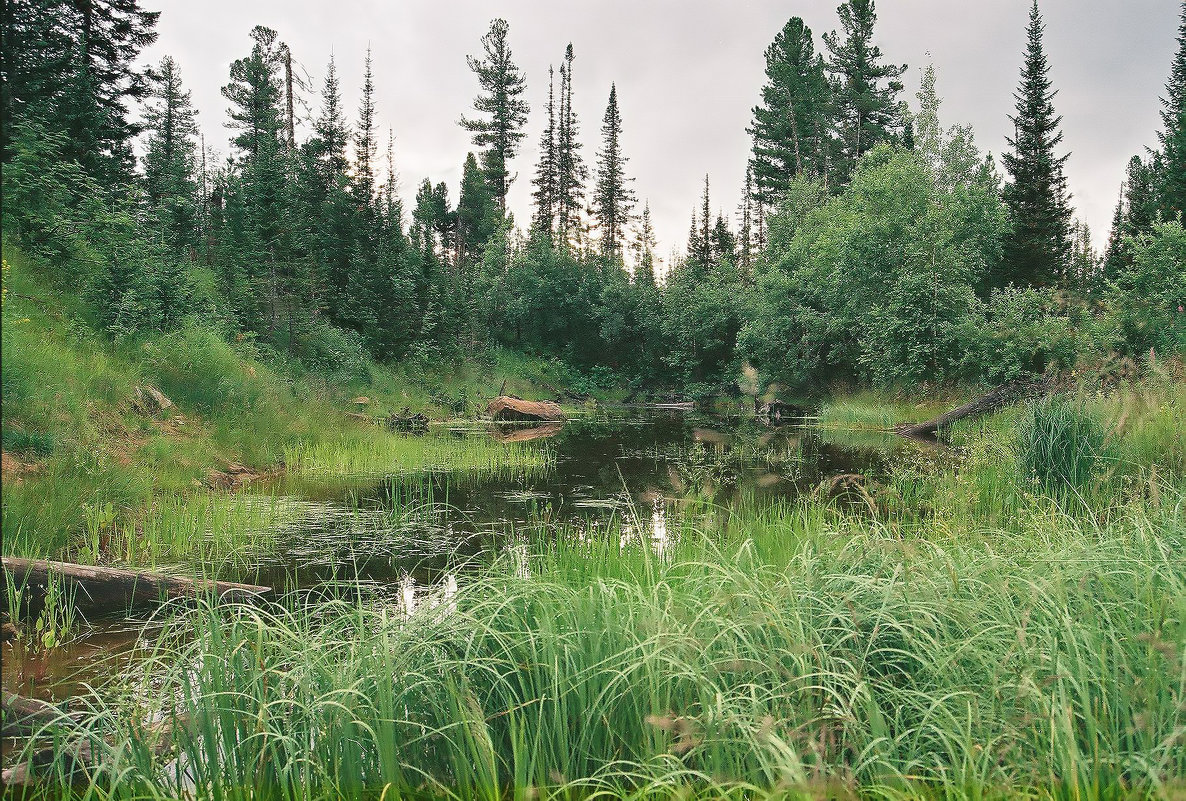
812 656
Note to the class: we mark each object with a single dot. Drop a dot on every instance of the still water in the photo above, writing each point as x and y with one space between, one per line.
637 474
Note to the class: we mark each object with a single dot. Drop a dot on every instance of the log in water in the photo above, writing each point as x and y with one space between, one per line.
98 590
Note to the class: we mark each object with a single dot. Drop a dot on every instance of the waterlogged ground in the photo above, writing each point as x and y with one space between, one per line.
413 536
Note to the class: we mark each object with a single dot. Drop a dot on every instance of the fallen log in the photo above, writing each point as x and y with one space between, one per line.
507 407
78 757
99 590
22 717
1003 395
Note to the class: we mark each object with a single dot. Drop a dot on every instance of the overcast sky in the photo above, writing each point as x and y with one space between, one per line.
688 74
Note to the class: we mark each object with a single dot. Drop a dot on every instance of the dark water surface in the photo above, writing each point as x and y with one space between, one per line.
644 474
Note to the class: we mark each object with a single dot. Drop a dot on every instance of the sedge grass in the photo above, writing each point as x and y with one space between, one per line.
814 653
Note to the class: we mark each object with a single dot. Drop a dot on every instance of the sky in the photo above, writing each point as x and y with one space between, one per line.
688 73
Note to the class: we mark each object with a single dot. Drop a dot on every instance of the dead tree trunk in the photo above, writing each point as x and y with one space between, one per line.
107 589
1001 396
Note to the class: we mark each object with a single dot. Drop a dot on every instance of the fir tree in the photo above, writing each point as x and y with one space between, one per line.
1173 138
1136 212
169 155
571 172
502 84
544 193
365 143
613 200
791 126
865 89
1039 206
477 217
644 247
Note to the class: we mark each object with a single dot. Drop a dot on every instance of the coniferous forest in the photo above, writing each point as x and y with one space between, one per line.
259 361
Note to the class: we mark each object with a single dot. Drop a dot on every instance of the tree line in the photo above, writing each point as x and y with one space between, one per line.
871 243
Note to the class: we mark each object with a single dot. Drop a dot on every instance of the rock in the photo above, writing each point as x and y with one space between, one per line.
150 401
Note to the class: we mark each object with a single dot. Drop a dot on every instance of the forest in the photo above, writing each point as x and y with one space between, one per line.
268 367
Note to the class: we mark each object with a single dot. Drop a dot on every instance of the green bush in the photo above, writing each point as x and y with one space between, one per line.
334 353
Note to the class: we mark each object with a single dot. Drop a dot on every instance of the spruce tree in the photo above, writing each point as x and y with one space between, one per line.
791 126
502 84
477 217
169 155
260 196
71 64
1136 212
1173 137
571 172
544 194
1039 247
613 199
365 142
644 246
865 89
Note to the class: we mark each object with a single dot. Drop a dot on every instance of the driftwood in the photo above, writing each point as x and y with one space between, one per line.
506 407
999 397
99 590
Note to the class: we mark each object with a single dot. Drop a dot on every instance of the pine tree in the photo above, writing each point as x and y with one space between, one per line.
1173 138
746 232
502 84
1039 206
169 156
613 199
865 89
791 126
544 193
571 172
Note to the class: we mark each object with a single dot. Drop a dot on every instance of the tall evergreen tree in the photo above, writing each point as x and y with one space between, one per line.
259 197
1136 212
365 141
865 89
613 199
1173 137
571 172
1039 247
71 64
502 85
791 125
644 246
169 155
478 217
544 193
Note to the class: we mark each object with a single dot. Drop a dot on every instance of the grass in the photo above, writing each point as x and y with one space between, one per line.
815 653
379 454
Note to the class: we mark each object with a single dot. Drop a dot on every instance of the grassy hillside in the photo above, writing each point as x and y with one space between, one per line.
82 451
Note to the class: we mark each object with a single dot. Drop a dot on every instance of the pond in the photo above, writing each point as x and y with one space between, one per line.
645 474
